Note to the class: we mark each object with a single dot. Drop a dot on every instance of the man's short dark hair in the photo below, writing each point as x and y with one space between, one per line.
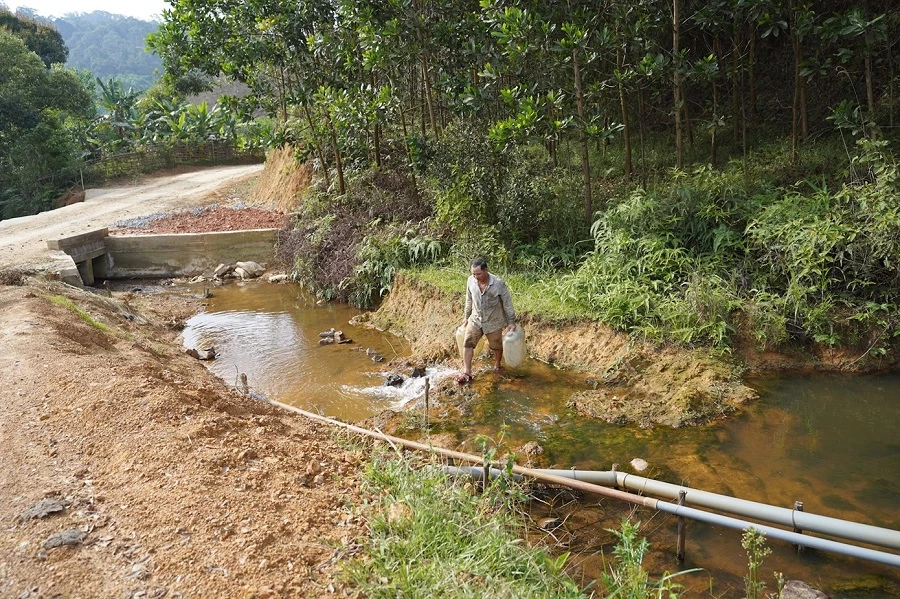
480 263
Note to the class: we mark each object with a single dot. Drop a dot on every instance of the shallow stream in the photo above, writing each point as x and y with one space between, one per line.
828 441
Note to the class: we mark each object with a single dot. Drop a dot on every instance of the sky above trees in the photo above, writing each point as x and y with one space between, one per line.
141 9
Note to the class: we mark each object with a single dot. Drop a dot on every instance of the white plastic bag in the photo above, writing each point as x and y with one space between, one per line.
514 347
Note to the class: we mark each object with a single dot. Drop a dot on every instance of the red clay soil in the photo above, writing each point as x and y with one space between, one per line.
128 470
214 218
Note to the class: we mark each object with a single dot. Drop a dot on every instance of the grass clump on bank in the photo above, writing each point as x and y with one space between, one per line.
433 537
68 304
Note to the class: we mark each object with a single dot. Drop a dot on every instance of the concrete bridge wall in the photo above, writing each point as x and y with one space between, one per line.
183 254
98 255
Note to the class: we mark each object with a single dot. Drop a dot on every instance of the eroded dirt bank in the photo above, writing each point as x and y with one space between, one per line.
168 482
625 381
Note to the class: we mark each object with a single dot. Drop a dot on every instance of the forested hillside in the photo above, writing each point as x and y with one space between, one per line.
682 169
62 127
110 45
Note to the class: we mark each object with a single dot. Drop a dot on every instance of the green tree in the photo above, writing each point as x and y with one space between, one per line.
36 105
40 38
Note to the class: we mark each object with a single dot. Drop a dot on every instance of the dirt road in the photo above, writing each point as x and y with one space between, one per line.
127 469
23 241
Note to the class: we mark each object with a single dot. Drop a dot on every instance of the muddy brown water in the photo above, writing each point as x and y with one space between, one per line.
826 440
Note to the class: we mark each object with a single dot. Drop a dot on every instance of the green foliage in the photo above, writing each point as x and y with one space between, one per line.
754 543
348 247
495 202
40 38
382 255
626 576
38 106
659 266
110 46
513 122
433 537
826 249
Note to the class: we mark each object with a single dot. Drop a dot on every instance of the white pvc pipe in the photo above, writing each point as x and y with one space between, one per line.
835 527
710 518
784 535
556 479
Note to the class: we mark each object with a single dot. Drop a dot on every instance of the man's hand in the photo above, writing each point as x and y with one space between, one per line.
511 328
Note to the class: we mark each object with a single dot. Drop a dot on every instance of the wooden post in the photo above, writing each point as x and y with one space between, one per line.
679 549
798 507
427 387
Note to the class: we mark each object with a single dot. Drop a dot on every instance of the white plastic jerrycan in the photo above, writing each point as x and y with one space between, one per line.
460 336
514 347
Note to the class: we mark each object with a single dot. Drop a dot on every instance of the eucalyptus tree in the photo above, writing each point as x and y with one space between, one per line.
546 57
802 20
858 36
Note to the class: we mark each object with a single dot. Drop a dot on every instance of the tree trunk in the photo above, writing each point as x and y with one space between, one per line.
804 112
795 106
714 136
428 98
713 148
585 158
282 101
642 112
751 65
338 163
870 85
377 131
676 51
316 147
736 90
412 168
626 130
890 58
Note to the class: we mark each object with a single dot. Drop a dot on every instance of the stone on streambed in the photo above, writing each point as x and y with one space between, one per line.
796 589
202 354
639 464
223 270
282 278
394 380
253 269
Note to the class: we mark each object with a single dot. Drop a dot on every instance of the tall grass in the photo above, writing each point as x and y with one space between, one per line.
435 537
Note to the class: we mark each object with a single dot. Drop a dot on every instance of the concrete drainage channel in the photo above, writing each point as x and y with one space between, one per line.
99 255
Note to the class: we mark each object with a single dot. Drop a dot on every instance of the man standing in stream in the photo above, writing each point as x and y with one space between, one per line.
488 311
